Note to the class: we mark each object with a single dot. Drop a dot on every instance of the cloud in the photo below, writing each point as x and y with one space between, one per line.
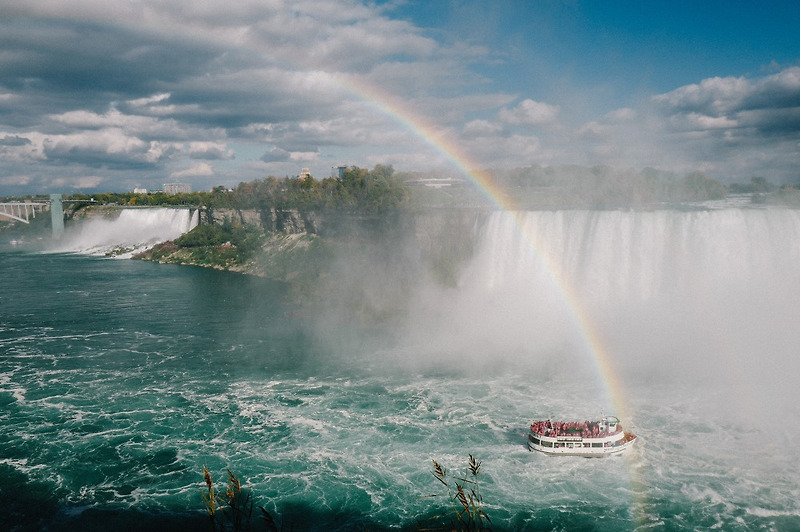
138 91
481 128
530 112
200 169
80 182
711 96
209 150
594 130
15 180
623 114
108 146
133 125
14 140
768 104
275 155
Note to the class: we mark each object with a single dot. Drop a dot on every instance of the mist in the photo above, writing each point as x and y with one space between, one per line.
435 334
123 232
701 301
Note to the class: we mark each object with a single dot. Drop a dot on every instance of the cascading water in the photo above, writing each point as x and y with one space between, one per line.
707 295
120 380
610 260
133 230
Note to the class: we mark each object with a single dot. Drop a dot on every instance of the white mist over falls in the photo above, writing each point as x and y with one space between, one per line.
126 231
684 321
701 296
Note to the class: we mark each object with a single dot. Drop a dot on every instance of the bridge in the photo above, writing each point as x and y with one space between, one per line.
24 211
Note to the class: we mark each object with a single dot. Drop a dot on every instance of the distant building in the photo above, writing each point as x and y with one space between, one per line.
305 173
177 188
140 190
338 171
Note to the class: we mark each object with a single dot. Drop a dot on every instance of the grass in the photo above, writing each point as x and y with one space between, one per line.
464 495
231 509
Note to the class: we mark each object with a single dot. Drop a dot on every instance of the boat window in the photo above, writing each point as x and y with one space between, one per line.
597 444
547 443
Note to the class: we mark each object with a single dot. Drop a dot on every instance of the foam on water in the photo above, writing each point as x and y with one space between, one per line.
112 404
131 232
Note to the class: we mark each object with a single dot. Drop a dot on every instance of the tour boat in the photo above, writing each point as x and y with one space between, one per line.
576 438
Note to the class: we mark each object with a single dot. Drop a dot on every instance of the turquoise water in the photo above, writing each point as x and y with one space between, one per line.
120 380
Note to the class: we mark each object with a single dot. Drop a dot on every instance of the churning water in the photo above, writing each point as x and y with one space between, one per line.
127 231
119 380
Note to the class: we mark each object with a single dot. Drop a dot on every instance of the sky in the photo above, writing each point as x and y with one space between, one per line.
109 96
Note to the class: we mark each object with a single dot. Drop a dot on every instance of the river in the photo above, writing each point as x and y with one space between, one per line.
120 380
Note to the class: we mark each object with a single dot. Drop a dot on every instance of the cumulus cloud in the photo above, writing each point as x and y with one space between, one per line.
146 90
209 150
14 140
79 182
623 114
594 130
112 146
530 112
481 128
768 103
275 155
200 169
15 180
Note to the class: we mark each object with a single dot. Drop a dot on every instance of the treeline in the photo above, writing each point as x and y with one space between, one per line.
381 190
359 190
604 186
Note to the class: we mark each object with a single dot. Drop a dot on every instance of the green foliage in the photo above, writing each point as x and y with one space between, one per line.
697 187
204 235
380 191
221 245
757 185
359 191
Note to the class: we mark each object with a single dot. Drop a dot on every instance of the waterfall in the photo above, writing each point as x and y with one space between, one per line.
704 295
132 231
608 258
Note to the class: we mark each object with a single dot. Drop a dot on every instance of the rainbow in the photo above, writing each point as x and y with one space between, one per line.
594 345
437 138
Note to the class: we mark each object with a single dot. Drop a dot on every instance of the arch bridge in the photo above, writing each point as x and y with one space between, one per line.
23 211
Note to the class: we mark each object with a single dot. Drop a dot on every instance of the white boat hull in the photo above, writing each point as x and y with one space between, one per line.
589 439
578 448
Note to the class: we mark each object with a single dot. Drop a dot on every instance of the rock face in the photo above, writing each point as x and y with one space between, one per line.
247 217
367 264
289 222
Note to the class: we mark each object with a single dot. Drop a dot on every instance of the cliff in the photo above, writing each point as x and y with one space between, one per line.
366 264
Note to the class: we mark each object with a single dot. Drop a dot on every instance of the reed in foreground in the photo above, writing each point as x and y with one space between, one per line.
233 508
463 493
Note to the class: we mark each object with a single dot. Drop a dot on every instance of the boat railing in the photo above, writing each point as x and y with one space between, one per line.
586 429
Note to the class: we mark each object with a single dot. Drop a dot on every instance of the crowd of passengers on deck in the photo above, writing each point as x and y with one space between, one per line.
587 429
